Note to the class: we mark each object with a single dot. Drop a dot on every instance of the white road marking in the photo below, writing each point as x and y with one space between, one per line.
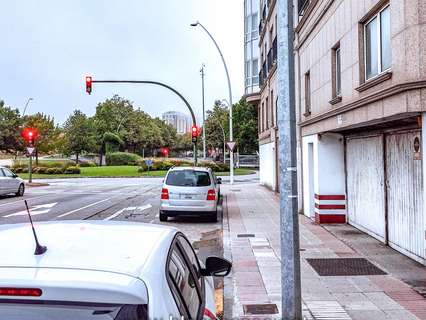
78 209
34 211
115 215
22 200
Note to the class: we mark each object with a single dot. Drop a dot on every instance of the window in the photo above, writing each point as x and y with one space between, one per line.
307 93
377 44
8 173
255 71
192 257
267 113
272 108
184 284
254 26
336 71
262 117
191 178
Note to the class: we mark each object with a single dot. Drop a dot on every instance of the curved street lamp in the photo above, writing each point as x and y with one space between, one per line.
26 105
231 136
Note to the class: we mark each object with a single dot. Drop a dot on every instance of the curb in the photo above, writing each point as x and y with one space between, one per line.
36 184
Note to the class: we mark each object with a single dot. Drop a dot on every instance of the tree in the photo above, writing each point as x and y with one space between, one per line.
47 132
216 126
79 134
10 129
245 127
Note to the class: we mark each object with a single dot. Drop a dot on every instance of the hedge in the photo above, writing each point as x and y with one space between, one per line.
122 159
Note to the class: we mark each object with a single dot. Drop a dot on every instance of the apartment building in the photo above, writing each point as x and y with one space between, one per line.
267 103
178 120
251 49
360 68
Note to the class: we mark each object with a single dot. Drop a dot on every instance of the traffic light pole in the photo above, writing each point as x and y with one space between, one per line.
89 82
30 169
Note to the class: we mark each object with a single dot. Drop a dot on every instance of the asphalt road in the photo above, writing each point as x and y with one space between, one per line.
128 199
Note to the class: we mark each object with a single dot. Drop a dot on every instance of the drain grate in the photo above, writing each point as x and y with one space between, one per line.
245 235
253 309
345 267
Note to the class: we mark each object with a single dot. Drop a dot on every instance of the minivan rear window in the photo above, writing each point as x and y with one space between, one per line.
188 178
71 311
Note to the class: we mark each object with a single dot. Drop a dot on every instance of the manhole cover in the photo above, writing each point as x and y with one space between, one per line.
245 235
345 267
269 308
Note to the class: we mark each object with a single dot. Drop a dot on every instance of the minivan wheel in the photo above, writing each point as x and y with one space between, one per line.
21 190
163 217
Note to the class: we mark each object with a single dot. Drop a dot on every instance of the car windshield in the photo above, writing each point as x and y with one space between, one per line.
188 178
57 311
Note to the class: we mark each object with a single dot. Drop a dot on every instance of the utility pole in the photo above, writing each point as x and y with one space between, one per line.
204 113
290 255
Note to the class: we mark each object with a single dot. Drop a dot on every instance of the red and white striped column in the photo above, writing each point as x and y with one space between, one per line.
330 208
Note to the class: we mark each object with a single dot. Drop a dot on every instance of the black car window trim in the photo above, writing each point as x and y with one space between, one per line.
200 288
177 295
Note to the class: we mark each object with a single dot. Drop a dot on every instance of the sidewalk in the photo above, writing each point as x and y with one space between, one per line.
252 241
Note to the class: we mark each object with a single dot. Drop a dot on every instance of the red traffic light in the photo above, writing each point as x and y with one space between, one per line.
89 84
30 135
165 151
194 131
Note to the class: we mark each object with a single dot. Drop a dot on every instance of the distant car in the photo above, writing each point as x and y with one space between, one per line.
104 270
189 191
11 183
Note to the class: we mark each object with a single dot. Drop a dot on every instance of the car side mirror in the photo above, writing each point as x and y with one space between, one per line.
219 180
14 175
216 267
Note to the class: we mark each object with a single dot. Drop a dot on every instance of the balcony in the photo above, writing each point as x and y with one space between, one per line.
302 4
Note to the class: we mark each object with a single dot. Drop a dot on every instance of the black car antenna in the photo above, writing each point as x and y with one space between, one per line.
39 250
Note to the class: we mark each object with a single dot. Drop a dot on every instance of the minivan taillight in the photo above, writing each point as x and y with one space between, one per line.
164 194
20 292
211 195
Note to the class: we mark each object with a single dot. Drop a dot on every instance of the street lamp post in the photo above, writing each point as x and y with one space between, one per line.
26 105
204 113
231 136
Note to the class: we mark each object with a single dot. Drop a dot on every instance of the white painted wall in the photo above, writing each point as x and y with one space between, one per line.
308 175
328 176
267 167
331 157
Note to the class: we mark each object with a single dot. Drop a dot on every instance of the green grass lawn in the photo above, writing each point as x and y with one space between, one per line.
117 171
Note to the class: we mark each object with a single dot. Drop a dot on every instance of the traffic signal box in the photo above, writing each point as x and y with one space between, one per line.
194 133
89 85
30 135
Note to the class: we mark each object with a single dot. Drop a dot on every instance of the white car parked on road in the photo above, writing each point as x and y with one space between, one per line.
10 183
189 191
103 271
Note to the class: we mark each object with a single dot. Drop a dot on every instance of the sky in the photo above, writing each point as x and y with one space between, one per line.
47 47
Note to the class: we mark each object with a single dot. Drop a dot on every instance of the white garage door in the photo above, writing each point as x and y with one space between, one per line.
405 195
365 183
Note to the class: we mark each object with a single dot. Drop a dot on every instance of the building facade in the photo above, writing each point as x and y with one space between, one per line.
178 120
267 105
360 68
251 47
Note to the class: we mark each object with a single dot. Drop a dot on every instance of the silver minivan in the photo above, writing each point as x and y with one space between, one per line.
10 183
189 191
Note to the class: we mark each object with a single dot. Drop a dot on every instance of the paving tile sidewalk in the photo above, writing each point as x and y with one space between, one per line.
253 210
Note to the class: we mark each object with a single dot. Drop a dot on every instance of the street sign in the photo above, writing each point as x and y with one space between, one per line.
148 162
231 145
30 150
